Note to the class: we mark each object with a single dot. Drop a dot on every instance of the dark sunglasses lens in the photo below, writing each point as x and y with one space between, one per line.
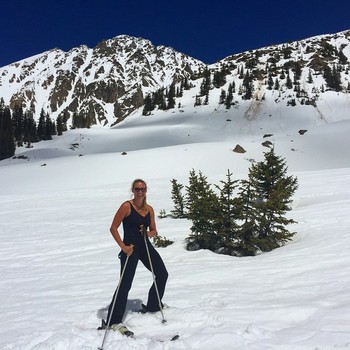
138 189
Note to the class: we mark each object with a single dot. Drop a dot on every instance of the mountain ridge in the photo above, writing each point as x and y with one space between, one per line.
108 83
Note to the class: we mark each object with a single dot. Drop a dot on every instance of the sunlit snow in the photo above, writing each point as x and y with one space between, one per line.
59 264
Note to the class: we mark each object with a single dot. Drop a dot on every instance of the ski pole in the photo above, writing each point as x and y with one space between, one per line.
144 232
114 300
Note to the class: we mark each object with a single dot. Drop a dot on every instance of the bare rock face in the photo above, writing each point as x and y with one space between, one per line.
239 149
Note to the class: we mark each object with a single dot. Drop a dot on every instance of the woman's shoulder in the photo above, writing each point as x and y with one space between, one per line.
150 208
125 206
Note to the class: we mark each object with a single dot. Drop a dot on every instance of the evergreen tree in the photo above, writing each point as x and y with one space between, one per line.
270 82
178 199
219 78
18 124
41 130
48 128
185 85
332 78
7 139
201 205
59 126
271 191
277 85
289 83
30 134
198 101
225 224
248 230
206 83
229 96
309 78
248 86
342 58
171 97
222 98
148 105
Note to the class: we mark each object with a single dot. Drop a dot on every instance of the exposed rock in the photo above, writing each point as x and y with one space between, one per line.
239 149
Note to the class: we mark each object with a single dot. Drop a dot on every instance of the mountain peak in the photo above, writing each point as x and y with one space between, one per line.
105 84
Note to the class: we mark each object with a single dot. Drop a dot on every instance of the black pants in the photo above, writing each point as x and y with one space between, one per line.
161 276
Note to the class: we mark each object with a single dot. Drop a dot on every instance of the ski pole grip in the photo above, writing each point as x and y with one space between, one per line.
142 230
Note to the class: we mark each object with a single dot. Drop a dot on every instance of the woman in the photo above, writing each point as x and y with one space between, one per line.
138 219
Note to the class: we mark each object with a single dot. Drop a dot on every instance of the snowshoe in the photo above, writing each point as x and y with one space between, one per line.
122 329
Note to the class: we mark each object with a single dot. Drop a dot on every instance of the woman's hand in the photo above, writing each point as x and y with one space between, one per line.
128 249
152 233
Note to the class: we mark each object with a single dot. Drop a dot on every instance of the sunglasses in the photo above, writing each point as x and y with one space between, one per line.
140 189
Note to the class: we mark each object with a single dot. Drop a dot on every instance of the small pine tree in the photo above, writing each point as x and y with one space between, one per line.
222 97
225 223
270 82
309 78
271 192
229 96
201 205
148 105
178 199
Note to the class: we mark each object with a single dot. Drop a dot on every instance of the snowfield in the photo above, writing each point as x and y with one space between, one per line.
59 264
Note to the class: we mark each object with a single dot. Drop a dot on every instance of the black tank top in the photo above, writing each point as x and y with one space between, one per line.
131 226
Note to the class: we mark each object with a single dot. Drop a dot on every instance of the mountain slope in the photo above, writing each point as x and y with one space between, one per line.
106 84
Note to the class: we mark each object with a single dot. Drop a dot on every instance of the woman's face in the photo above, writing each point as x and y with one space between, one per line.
139 189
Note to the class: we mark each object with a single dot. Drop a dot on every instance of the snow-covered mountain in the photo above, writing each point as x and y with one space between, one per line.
105 83
109 82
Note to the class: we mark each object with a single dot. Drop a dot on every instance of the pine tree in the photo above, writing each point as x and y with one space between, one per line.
7 139
289 83
201 205
245 244
148 105
48 128
222 98
270 82
171 97
219 78
225 224
29 130
59 126
309 78
248 86
229 96
42 126
178 199
18 124
271 192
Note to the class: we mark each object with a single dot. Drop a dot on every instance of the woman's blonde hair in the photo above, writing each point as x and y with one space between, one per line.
144 204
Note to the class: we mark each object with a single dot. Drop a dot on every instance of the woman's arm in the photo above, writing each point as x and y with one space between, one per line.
152 227
122 212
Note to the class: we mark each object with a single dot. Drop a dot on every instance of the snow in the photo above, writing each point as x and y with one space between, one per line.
59 264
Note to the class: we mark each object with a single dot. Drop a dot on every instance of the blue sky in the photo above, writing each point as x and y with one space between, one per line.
206 30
